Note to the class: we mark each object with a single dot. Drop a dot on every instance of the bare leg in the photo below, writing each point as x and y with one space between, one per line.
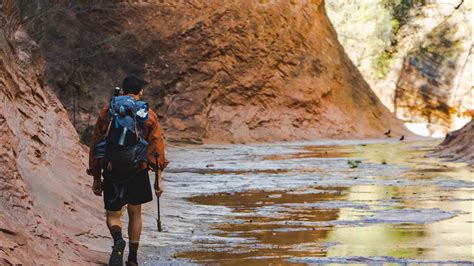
135 222
113 218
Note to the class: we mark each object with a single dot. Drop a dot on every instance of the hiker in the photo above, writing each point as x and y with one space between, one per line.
119 152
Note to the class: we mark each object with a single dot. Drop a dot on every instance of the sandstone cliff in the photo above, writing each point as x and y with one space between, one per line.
43 189
220 71
458 145
417 57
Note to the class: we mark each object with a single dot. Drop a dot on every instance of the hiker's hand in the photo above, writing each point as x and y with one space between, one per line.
151 168
97 187
162 166
158 191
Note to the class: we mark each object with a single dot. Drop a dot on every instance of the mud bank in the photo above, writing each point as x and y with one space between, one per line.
293 202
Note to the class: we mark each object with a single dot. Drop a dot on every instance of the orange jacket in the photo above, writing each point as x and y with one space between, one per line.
151 132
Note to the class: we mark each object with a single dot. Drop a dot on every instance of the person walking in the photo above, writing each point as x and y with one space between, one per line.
126 139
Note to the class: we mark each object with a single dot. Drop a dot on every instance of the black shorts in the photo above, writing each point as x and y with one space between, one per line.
135 191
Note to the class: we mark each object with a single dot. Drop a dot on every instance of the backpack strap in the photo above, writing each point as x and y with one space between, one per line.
135 123
111 113
110 122
108 129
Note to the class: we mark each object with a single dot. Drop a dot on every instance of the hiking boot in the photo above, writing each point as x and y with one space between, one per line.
116 258
131 263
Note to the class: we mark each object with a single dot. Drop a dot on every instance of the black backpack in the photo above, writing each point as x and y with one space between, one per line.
123 147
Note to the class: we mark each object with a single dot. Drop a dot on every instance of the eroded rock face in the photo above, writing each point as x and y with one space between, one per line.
458 145
232 71
417 57
46 207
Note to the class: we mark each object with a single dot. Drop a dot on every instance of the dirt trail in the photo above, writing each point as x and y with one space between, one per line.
293 202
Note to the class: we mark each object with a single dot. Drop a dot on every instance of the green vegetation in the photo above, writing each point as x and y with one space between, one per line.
376 23
440 44
366 22
353 164
395 25
399 11
381 64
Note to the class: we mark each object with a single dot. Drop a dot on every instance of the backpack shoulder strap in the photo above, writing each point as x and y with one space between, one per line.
110 115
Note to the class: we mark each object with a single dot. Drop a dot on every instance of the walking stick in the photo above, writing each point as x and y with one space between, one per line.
157 182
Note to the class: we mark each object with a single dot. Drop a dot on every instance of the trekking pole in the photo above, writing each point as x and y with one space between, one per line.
157 181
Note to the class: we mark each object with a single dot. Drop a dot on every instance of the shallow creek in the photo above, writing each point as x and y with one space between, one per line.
371 201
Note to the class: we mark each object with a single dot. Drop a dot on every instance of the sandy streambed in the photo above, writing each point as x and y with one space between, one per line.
302 203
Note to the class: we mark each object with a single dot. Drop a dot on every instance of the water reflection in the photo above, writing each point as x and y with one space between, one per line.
327 151
427 219
263 222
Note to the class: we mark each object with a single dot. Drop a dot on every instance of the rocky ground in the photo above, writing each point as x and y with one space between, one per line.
343 202
458 145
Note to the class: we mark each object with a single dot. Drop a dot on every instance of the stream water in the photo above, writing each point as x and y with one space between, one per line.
372 201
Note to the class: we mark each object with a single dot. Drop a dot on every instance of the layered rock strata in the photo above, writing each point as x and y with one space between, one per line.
219 71
458 145
47 213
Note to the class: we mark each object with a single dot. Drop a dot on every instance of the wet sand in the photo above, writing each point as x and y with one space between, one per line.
302 203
